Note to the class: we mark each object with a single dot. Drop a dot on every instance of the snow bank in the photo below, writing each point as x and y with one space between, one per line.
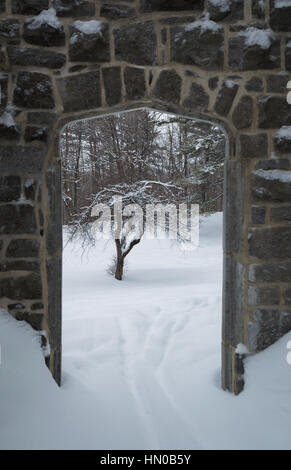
279 175
258 37
47 17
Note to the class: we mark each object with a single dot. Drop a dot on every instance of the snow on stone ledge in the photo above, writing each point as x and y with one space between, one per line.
89 27
204 24
47 17
258 37
284 133
275 175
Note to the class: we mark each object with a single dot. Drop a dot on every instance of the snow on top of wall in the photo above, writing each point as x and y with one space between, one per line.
229 83
282 4
279 175
241 349
284 133
223 5
48 17
89 27
258 37
204 24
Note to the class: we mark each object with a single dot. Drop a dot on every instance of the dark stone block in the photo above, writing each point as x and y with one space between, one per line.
8 128
20 159
231 11
168 87
264 329
136 43
54 276
287 295
44 33
23 248
19 265
2 6
263 295
9 31
54 229
277 83
233 300
271 185
33 133
213 82
114 12
253 146
225 97
37 306
255 84
177 20
80 92
282 140
288 54
258 9
112 85
34 319
33 90
253 57
172 5
280 17
198 45
29 7
30 188
274 112
135 84
273 164
197 98
22 287
93 47
242 115
270 272
10 188
26 56
16 219
280 214
16 307
272 242
258 215
74 8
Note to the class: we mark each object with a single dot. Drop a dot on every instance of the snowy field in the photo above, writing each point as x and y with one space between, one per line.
141 361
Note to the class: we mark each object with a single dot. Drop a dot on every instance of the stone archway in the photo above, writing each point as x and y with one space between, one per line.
84 59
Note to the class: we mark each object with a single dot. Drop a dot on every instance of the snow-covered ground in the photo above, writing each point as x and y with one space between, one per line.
141 361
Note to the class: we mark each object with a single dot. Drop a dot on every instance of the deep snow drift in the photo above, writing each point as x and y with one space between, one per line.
141 361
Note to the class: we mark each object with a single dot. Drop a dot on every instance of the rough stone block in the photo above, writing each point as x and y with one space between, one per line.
80 92
34 133
168 87
112 85
266 327
197 99
19 265
26 56
10 188
199 43
136 43
3 90
277 83
74 8
9 31
258 9
255 84
271 185
242 115
280 16
282 140
2 6
173 5
280 214
287 295
89 42
270 272
234 205
29 7
33 90
225 97
245 55
114 12
42 31
268 243
20 159
253 145
23 248
233 300
263 296
17 219
258 215
230 11
288 54
135 85
274 112
273 164
22 287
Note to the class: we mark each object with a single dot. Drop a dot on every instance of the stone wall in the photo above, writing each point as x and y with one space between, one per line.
228 62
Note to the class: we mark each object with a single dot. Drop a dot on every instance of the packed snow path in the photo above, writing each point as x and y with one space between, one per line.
141 361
